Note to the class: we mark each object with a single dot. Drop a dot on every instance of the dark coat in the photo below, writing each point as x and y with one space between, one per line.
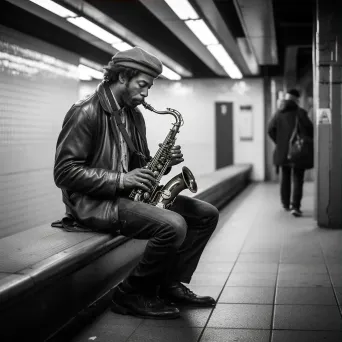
88 157
280 129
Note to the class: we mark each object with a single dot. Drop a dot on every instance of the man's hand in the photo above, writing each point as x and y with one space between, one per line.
139 178
176 155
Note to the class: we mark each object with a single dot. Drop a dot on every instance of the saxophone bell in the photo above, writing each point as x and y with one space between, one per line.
168 193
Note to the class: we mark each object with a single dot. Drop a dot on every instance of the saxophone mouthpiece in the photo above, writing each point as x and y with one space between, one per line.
146 105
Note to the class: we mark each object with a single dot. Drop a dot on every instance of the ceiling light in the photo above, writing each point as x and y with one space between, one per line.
122 46
85 72
55 8
94 29
83 76
170 74
202 31
224 59
183 9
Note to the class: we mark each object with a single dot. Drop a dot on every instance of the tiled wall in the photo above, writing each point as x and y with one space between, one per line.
195 100
38 83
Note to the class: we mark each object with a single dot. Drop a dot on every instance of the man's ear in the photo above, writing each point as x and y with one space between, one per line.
122 78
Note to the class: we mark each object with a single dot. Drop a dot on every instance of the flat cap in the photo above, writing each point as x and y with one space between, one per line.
139 59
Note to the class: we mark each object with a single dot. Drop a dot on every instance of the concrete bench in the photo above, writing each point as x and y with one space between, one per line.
47 276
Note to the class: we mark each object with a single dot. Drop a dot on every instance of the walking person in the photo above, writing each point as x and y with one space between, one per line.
281 130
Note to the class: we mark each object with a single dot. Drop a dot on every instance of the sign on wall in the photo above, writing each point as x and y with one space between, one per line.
246 123
324 116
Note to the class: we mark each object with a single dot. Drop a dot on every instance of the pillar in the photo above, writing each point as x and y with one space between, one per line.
327 95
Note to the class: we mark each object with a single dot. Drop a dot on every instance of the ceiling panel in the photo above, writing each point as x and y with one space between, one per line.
134 15
257 20
293 25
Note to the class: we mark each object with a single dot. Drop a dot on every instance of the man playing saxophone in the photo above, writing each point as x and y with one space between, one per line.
100 159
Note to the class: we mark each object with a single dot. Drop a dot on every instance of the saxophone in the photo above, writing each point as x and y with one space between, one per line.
163 196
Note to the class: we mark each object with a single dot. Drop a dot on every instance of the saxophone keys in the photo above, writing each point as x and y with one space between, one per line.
146 196
166 194
156 173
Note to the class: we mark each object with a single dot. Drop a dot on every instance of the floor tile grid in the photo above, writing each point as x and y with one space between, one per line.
331 280
252 334
308 333
283 239
251 225
285 236
273 205
154 325
272 226
178 325
275 292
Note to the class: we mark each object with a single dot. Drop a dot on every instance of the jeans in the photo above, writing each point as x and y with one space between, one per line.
176 239
285 186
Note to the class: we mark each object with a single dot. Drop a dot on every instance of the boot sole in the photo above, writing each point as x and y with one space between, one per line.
192 305
116 308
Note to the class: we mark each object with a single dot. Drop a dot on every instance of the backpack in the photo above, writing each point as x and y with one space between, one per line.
300 151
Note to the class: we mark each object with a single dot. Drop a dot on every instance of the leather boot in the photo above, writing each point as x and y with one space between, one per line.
141 305
178 293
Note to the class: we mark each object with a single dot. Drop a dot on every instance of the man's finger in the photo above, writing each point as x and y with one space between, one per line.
144 182
143 187
148 177
146 172
175 149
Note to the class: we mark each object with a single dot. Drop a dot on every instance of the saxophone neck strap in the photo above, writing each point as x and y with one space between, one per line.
119 123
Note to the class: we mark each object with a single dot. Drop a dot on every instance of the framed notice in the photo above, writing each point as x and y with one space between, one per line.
246 123
324 116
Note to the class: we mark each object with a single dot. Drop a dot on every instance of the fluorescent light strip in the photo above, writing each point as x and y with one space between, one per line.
224 59
186 12
55 8
87 71
94 29
84 24
170 74
83 76
201 31
183 9
122 46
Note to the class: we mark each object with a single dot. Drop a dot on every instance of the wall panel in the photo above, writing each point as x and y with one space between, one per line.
38 84
195 99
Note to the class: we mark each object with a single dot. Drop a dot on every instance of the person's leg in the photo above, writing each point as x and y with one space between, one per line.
285 186
165 231
201 218
298 181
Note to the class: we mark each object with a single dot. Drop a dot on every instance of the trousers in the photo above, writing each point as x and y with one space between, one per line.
176 239
297 175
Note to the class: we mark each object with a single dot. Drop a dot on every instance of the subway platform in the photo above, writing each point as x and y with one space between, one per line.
276 279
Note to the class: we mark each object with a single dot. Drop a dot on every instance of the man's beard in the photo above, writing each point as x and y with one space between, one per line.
127 99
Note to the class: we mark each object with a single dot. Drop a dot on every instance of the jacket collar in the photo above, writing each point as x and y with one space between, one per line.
103 98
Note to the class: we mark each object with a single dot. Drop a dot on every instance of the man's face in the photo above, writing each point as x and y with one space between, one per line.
136 89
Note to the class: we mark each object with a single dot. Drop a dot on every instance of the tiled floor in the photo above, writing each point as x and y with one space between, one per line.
277 279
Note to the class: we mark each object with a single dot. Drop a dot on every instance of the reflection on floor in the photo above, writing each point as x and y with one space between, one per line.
277 279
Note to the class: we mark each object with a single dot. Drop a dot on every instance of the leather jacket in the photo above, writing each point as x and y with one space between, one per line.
88 157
